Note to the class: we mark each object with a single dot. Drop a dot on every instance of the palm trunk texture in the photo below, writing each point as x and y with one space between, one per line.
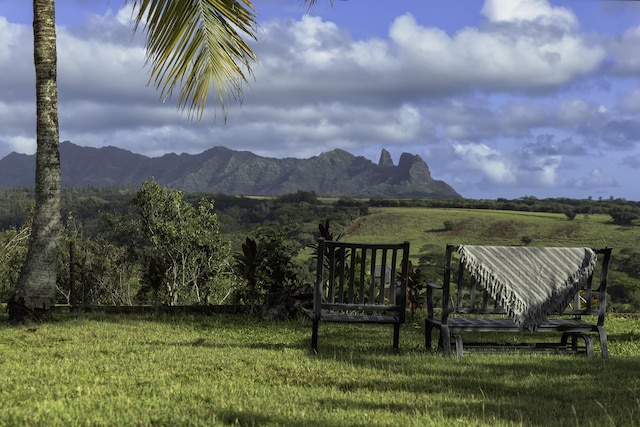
35 294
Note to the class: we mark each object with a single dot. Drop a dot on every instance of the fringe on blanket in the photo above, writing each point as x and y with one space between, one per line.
525 315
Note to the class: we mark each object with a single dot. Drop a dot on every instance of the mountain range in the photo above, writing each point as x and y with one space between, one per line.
220 170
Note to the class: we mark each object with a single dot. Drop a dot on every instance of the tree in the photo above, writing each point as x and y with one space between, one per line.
196 44
35 292
624 215
184 239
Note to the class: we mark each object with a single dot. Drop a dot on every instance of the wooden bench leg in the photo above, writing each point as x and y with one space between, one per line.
314 336
458 340
588 342
564 340
428 330
445 339
396 336
603 342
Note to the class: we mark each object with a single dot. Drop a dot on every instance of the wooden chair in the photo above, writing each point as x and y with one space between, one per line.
352 285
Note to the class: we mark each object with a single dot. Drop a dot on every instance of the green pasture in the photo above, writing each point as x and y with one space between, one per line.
97 369
161 370
424 228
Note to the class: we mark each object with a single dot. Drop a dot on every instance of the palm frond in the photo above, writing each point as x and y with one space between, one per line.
197 45
311 3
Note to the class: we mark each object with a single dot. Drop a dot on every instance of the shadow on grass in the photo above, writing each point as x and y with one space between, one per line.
514 389
624 337
362 372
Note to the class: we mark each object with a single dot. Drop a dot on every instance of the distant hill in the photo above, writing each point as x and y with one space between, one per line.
221 170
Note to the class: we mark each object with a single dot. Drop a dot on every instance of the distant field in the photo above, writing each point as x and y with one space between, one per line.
424 228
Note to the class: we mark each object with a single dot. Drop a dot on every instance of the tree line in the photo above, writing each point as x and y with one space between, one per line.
161 246
154 245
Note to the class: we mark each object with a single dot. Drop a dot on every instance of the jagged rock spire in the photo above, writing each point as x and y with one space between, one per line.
385 158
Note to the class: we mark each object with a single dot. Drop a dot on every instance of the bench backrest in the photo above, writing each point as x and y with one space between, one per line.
361 277
463 295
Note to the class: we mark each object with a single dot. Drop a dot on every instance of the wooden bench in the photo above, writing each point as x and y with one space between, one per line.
352 285
467 307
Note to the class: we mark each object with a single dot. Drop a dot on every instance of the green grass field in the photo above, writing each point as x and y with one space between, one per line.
424 228
145 370
160 370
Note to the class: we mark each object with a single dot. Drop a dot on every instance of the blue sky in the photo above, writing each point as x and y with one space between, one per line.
501 98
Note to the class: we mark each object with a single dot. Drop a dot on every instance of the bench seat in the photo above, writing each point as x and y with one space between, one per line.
479 324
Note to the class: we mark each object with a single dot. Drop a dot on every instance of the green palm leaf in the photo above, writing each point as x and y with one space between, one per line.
198 45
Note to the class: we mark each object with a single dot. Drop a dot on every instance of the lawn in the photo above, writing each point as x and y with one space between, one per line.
172 370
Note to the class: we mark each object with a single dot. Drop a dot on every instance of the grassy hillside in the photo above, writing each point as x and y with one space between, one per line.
424 227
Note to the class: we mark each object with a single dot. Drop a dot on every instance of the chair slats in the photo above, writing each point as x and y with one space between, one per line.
355 280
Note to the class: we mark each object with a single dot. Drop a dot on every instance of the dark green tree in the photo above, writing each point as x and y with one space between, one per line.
184 238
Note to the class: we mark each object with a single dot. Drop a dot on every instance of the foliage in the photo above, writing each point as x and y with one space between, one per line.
526 240
326 234
95 271
208 36
268 264
624 215
247 266
13 251
298 197
184 239
416 289
105 219
449 225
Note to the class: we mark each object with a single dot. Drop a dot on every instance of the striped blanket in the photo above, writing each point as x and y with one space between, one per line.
529 282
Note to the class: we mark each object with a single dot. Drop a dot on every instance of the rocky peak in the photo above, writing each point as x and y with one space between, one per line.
413 169
385 158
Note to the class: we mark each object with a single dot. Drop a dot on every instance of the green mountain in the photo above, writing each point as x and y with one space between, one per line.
221 170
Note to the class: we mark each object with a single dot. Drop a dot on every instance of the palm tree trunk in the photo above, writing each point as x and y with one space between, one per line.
36 290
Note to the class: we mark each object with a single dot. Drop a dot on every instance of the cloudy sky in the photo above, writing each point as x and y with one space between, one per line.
501 98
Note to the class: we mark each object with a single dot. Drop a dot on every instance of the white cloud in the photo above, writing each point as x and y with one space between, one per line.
498 58
624 51
496 89
527 10
12 36
416 62
23 144
596 179
493 165
576 111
